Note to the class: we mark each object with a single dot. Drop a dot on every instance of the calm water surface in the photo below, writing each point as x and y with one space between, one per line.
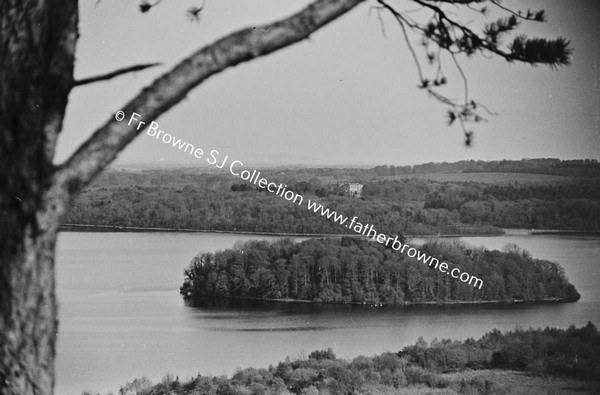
121 316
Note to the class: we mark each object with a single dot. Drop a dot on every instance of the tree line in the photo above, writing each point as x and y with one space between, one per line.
572 352
414 206
190 207
552 351
355 270
573 206
572 167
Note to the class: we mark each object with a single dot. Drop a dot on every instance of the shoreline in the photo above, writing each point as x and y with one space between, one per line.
403 304
506 231
124 229
565 232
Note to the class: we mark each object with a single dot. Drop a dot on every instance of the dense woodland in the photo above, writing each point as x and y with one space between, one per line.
574 206
189 199
355 270
574 353
253 211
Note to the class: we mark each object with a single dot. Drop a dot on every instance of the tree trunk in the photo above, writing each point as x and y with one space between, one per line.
37 46
28 314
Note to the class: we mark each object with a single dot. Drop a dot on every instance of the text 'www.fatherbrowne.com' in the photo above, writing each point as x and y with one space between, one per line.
237 169
393 242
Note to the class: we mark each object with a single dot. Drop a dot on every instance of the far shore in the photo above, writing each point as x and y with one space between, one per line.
506 231
117 228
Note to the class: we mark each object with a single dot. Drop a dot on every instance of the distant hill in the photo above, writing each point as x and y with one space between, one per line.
574 167
549 166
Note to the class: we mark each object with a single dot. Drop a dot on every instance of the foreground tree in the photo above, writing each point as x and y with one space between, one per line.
37 55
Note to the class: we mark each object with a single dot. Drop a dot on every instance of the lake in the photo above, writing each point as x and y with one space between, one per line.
121 316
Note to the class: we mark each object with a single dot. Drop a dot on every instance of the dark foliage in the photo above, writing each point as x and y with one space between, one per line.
573 352
574 206
354 270
412 206
209 202
322 354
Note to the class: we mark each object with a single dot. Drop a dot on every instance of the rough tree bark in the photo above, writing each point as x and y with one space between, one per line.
37 46
37 53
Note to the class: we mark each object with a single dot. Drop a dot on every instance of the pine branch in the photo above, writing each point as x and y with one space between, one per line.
553 53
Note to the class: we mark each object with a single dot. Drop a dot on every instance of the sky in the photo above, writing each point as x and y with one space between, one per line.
346 97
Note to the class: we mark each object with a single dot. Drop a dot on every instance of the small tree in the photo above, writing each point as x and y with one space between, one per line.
322 354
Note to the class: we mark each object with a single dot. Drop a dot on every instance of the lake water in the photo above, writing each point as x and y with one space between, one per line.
121 316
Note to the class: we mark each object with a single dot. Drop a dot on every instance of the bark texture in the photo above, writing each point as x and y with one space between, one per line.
37 46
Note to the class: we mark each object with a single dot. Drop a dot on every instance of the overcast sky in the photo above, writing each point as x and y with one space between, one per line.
348 96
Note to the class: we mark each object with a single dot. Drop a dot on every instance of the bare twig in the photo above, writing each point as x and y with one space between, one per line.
444 39
412 50
468 32
537 16
378 10
113 74
464 77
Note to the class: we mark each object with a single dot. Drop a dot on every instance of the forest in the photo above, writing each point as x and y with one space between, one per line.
195 200
252 211
354 270
574 206
458 367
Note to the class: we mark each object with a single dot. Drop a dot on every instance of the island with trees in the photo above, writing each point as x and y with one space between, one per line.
355 270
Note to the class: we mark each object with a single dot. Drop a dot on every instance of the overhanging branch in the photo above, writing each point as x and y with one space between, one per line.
169 89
